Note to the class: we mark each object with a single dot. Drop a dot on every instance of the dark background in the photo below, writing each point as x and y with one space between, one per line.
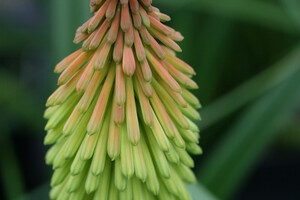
247 58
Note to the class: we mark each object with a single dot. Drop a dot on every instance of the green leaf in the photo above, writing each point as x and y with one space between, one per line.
11 175
250 90
293 9
198 191
61 21
218 37
250 12
253 132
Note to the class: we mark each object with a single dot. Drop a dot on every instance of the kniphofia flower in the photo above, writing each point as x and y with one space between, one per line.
121 123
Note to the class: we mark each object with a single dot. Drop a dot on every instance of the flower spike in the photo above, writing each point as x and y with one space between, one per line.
122 121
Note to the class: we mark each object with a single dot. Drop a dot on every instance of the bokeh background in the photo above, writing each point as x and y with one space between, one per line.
247 57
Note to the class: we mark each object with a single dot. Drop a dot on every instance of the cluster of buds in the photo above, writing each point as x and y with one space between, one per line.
121 123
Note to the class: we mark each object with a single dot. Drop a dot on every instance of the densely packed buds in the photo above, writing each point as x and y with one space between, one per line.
121 121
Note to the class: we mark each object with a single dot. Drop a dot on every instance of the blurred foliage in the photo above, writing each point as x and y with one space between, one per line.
247 57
